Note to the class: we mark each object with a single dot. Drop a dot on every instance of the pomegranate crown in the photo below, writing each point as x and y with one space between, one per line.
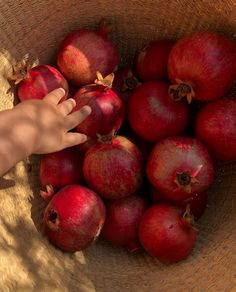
20 71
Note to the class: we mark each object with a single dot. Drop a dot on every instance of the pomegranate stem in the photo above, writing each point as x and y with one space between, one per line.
130 83
182 90
105 81
106 138
188 217
53 220
20 71
184 180
52 216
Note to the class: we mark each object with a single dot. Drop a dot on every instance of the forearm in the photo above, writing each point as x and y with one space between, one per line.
17 138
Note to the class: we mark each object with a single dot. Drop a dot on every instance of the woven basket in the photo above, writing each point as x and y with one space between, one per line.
28 262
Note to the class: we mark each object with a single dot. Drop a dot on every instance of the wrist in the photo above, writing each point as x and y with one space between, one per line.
17 138
23 131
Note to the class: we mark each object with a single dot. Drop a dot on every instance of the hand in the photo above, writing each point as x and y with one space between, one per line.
51 122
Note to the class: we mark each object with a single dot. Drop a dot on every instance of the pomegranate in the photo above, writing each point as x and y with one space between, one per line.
84 52
124 83
180 167
202 66
74 218
108 110
151 62
36 82
122 221
166 233
114 169
61 168
197 202
152 113
215 126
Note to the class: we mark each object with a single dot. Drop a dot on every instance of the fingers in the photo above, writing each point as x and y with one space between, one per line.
55 96
72 139
72 120
66 106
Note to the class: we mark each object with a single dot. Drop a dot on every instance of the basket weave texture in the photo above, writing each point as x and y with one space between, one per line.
28 262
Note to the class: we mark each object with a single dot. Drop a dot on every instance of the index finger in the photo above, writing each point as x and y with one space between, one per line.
55 96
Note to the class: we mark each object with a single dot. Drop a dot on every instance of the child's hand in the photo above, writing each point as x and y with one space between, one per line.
51 122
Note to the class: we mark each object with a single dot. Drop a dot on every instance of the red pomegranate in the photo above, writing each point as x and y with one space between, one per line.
108 110
122 221
197 202
215 126
166 233
152 113
202 66
151 62
61 168
180 167
74 218
114 169
84 52
124 83
36 82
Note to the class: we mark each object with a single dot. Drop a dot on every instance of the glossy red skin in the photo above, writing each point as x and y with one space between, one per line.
197 202
108 110
121 76
114 170
81 213
164 234
176 155
83 53
152 113
207 60
41 80
151 62
122 221
215 126
61 168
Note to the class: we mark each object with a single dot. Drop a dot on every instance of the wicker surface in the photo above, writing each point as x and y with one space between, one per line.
27 261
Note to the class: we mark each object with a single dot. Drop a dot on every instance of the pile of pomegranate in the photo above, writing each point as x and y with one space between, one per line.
156 130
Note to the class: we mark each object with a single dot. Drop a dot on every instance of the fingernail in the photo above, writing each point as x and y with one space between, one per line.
74 102
83 138
87 109
62 90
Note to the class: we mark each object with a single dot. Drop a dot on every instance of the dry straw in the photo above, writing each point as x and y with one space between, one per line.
27 261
